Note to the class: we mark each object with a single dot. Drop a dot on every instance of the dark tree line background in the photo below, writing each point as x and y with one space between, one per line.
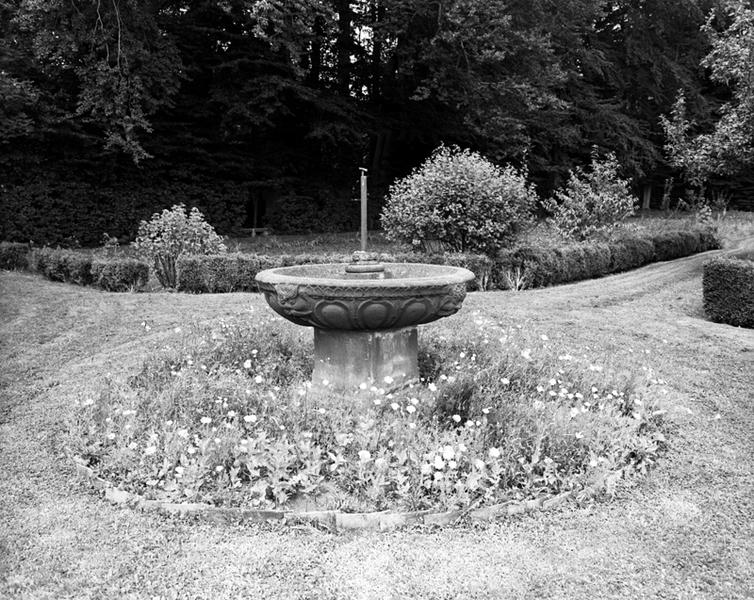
110 109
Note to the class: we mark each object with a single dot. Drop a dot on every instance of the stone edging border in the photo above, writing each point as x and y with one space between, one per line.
327 519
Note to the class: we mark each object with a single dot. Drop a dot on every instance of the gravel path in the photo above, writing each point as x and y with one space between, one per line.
686 531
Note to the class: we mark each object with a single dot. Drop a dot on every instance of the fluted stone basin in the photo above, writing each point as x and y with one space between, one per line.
364 314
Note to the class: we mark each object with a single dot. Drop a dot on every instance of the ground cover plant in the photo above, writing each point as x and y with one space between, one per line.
224 415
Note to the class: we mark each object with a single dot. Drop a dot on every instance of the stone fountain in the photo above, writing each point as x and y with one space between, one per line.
364 315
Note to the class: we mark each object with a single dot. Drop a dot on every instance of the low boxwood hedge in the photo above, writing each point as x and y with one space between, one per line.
14 256
235 272
119 274
115 274
728 291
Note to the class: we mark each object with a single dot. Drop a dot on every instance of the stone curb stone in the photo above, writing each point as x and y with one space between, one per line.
328 519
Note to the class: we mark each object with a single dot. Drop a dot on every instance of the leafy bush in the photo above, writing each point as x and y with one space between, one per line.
119 274
728 291
460 199
591 202
223 415
14 256
172 234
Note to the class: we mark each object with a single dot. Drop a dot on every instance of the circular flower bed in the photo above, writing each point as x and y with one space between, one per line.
224 416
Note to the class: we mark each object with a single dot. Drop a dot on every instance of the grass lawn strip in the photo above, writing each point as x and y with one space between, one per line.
684 532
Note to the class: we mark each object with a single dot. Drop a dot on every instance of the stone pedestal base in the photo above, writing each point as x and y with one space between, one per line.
346 359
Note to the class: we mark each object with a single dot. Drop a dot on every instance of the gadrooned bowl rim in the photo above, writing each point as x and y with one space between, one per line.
445 275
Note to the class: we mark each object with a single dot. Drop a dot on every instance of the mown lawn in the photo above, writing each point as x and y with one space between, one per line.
685 531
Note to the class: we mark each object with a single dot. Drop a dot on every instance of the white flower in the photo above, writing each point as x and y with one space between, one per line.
110 436
414 401
412 425
205 420
452 464
448 453
149 450
462 355
479 463
439 463
247 364
544 337
456 418
362 386
231 413
179 470
259 379
553 382
411 409
250 418
494 453
219 468
426 468
395 406
526 354
364 455
432 387
177 330
462 447
388 379
505 381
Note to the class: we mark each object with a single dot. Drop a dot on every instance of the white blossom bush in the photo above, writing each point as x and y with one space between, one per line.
174 233
592 201
460 199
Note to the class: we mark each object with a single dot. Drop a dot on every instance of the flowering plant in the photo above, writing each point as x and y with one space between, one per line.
173 233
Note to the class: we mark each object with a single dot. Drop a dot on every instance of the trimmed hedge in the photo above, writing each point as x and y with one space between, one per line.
115 274
63 265
119 274
728 291
14 256
54 212
542 266
587 260
235 272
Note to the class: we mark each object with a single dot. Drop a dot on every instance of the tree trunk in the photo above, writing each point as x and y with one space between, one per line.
647 197
343 46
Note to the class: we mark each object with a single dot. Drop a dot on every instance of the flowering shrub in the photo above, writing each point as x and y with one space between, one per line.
172 234
225 416
593 201
461 199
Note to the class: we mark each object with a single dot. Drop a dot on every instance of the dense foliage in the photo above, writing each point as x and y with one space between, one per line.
286 99
460 199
